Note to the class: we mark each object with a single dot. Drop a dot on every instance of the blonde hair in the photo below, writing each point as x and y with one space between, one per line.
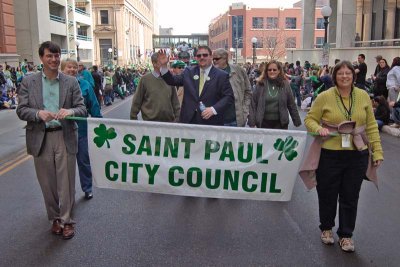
67 61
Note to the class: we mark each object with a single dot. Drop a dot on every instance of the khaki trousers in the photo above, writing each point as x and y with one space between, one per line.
55 171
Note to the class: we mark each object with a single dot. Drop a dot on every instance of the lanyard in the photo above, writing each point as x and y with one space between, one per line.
348 111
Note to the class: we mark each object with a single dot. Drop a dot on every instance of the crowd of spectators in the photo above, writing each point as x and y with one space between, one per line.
309 80
123 81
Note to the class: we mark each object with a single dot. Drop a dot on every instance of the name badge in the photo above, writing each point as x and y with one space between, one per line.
345 140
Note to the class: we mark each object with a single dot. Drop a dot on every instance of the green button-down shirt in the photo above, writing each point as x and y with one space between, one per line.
51 97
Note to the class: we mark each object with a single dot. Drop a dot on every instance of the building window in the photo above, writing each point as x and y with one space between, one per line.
320 24
258 23
270 42
319 42
259 43
290 42
237 31
397 21
105 57
82 31
291 23
272 23
104 17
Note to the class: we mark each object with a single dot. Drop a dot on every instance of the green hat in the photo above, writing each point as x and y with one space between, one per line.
193 62
178 63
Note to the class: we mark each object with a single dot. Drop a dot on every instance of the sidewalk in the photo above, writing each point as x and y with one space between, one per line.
391 130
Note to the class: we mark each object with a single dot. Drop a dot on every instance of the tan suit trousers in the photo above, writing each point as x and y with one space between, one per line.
55 170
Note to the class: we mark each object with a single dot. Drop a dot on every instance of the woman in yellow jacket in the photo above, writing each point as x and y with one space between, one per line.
343 161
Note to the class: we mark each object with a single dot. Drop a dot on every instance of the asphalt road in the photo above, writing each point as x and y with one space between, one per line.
125 228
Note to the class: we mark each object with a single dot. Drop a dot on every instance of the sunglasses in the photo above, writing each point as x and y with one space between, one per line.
216 58
202 55
179 68
272 69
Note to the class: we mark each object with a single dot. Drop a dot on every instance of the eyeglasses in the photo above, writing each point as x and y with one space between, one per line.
49 56
344 73
272 69
202 55
216 58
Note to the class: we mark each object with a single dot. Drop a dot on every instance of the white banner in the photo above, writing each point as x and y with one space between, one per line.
195 160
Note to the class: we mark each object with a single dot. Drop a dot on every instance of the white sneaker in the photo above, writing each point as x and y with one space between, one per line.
327 237
346 244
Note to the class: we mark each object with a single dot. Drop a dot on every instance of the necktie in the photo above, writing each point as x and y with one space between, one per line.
201 83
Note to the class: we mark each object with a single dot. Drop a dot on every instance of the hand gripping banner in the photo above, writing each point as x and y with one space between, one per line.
195 160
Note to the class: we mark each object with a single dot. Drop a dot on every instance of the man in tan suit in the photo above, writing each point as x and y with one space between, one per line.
45 99
235 115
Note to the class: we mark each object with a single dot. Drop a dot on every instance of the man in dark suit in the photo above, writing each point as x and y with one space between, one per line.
45 99
203 83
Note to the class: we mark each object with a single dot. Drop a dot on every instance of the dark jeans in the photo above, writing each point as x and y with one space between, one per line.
108 97
296 94
340 175
380 124
82 158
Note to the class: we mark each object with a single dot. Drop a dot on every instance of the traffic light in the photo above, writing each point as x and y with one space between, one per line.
115 51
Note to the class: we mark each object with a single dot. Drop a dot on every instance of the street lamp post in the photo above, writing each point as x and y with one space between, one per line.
77 51
237 38
326 11
232 50
254 42
109 56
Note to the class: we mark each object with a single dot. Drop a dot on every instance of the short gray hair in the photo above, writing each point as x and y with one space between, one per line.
221 53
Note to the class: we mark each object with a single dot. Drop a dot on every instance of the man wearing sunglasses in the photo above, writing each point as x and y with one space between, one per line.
203 83
237 114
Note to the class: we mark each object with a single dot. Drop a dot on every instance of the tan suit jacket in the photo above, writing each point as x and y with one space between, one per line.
31 101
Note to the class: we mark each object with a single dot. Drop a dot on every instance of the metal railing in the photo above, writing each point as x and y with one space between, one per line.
377 43
80 11
84 38
57 18
331 45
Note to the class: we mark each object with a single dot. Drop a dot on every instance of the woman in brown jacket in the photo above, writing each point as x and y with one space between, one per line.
273 100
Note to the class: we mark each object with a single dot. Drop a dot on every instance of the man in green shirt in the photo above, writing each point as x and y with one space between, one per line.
46 98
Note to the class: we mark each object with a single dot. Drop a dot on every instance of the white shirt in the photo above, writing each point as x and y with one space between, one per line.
393 78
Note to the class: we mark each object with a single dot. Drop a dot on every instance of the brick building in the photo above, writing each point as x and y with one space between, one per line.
275 29
8 43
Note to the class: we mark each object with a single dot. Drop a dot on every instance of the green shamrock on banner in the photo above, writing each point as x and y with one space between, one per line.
287 147
103 135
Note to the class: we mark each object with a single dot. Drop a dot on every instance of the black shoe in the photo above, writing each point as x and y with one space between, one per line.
88 195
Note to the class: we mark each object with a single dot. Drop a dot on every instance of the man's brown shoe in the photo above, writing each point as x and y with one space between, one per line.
68 231
56 227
